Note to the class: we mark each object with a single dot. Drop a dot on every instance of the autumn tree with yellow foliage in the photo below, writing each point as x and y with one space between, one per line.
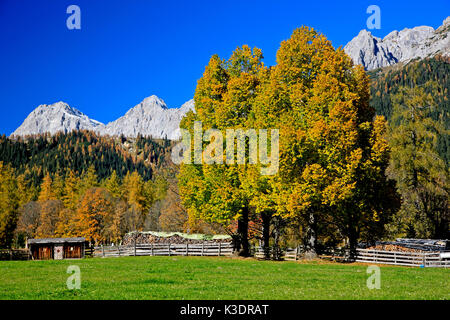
9 205
333 154
224 99
91 214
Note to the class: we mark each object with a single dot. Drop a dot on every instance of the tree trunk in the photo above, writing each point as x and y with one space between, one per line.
243 234
266 234
311 238
353 242
277 226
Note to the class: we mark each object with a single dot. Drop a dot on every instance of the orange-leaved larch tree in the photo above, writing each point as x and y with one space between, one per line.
94 208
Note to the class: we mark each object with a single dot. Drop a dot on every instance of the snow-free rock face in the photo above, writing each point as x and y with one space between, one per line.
418 42
151 117
53 118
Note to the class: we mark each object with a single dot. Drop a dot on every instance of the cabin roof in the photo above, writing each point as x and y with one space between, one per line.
56 240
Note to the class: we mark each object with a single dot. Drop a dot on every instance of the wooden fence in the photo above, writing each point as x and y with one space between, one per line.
431 259
285 254
293 254
166 249
15 254
413 259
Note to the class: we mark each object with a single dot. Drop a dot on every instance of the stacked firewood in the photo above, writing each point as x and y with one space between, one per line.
147 238
412 245
393 247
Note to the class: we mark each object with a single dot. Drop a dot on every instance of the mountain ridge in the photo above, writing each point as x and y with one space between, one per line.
151 117
399 46
54 118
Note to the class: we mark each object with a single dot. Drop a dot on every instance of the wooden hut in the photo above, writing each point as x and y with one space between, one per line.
57 248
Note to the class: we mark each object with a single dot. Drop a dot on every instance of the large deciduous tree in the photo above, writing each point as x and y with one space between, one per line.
333 153
224 99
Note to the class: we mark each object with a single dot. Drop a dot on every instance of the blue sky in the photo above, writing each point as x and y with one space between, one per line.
128 50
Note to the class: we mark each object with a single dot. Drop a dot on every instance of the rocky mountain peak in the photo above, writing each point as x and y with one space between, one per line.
153 102
404 45
151 117
53 118
187 106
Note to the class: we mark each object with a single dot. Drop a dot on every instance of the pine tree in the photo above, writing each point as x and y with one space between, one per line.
113 185
65 225
9 204
89 178
94 210
72 187
422 175
50 210
46 192
58 186
134 191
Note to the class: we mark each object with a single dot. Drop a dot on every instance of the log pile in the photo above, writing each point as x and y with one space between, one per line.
148 238
393 247
412 245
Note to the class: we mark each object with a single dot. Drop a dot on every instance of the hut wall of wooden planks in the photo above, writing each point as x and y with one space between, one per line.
57 248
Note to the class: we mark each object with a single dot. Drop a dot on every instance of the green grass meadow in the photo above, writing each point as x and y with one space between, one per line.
211 278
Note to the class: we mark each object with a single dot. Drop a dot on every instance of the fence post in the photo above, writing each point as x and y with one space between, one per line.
187 249
203 247
296 252
135 247
152 249
118 249
169 249
220 248
103 251
395 257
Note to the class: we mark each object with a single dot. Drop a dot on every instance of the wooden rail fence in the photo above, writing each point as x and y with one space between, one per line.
165 249
285 254
413 259
15 254
426 259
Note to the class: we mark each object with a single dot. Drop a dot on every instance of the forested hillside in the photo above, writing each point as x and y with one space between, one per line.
35 156
415 100
432 74
80 184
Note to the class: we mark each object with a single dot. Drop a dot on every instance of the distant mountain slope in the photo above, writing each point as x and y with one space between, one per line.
77 150
151 117
386 82
57 117
398 46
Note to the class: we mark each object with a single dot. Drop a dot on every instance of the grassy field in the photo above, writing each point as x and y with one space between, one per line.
215 278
